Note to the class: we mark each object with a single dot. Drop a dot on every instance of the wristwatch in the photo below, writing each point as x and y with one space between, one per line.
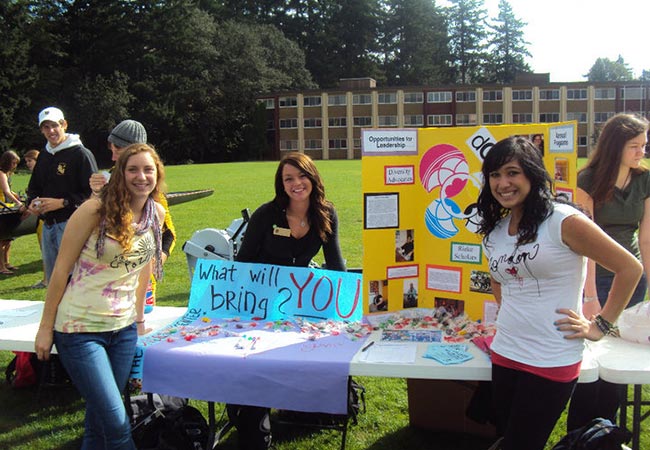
65 202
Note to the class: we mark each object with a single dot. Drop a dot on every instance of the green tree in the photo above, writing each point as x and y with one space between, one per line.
507 46
467 19
17 76
605 69
645 75
419 52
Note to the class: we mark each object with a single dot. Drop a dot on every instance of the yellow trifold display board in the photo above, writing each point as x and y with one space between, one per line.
420 186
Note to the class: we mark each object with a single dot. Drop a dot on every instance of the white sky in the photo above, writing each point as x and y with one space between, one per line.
567 36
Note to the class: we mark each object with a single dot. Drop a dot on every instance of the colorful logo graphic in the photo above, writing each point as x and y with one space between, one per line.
444 169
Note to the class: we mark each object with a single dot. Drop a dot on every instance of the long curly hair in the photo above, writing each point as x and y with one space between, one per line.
538 205
116 198
319 207
606 159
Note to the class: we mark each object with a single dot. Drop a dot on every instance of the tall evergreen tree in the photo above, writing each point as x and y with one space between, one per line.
17 76
507 46
420 52
467 20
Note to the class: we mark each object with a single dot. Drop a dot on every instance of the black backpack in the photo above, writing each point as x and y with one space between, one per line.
599 434
162 422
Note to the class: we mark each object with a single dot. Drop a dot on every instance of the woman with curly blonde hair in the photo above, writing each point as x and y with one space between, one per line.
110 245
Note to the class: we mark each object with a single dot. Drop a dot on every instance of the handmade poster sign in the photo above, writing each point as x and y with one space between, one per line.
254 332
420 246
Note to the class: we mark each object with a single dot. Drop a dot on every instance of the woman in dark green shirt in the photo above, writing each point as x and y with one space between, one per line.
614 187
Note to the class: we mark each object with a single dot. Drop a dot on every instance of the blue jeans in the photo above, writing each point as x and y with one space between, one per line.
99 365
50 243
604 284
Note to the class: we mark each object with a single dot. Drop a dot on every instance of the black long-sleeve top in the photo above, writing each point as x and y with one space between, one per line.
261 245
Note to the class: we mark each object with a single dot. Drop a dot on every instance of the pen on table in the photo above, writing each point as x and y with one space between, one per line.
367 346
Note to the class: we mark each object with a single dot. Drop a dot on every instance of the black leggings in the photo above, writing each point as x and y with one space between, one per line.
527 407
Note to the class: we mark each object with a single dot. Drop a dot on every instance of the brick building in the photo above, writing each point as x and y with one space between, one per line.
326 124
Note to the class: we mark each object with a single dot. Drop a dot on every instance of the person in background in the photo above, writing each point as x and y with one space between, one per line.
8 163
59 182
536 249
124 134
30 158
110 245
618 200
538 141
288 231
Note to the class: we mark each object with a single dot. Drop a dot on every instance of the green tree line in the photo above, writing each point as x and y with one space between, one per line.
190 70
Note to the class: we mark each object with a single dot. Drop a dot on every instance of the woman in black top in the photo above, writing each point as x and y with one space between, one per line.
288 231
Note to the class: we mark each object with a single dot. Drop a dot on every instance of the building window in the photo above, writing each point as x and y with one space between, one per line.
522 95
361 99
313 144
288 123
439 97
549 117
632 93
465 96
387 98
338 122
549 94
414 120
337 100
492 96
387 121
311 100
465 119
439 120
492 118
356 143
288 102
522 118
338 143
269 103
289 145
582 141
580 117
413 97
605 93
313 122
576 94
364 121
601 117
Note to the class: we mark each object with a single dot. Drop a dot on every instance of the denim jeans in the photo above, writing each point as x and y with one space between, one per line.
99 365
50 243
604 284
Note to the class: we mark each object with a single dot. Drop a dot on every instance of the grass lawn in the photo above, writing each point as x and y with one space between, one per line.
55 419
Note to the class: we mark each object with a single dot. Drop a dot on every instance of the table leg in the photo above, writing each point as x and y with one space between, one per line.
636 418
212 426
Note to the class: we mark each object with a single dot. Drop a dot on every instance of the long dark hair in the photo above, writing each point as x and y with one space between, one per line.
538 205
606 159
319 207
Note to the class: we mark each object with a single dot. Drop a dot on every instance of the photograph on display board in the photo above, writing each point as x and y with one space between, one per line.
538 141
404 245
410 293
479 281
378 300
561 170
449 306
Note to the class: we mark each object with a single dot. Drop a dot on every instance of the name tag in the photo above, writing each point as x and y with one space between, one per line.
279 231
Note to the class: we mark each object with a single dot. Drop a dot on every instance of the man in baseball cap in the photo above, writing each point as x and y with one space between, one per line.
59 181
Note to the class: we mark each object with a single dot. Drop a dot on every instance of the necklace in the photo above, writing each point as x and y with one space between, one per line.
626 181
303 220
